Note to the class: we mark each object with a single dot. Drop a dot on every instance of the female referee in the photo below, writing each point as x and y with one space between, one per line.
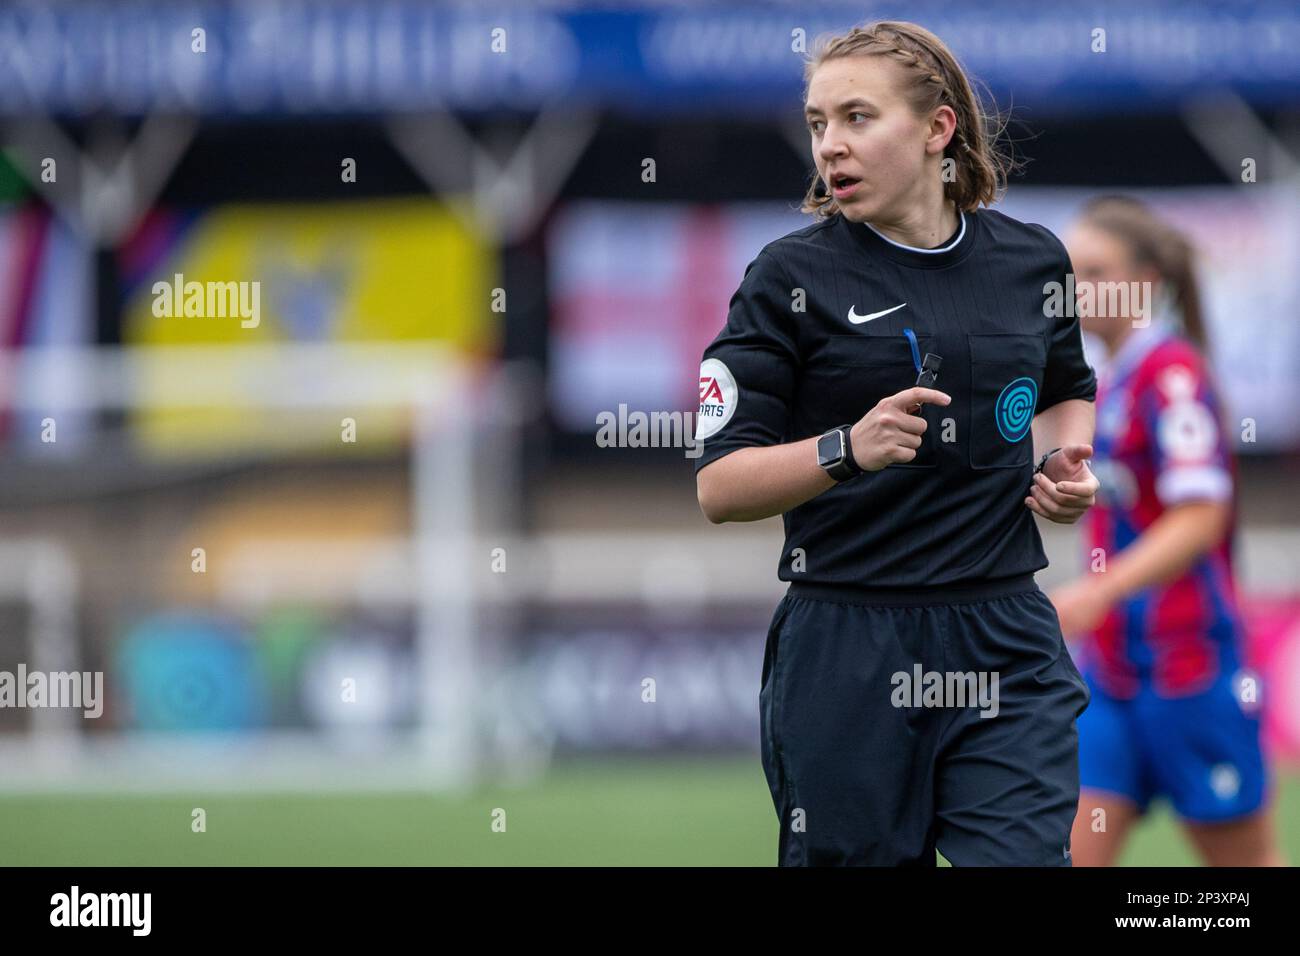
916 691
1170 714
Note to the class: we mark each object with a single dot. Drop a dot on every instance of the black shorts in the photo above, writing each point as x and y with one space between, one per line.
896 723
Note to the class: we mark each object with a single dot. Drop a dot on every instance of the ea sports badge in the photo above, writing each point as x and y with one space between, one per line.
717 398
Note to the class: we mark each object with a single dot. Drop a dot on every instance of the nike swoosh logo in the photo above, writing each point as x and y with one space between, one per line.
859 319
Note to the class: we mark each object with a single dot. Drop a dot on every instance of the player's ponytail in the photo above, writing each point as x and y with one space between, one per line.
1158 245
979 167
1178 266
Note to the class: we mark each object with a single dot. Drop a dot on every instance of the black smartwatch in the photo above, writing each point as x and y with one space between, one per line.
835 454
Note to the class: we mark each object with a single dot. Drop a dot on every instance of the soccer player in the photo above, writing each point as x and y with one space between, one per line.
916 691
1172 713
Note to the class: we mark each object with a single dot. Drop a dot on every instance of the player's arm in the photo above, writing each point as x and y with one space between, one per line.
1071 422
758 482
754 483
1193 483
747 468
1066 488
1165 550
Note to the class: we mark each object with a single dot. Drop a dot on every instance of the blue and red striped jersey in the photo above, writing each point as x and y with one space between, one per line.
1160 441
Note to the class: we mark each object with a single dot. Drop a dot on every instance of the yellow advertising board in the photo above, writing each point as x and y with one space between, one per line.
344 274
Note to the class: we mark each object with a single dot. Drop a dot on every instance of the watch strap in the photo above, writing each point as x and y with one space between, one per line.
847 467
1042 462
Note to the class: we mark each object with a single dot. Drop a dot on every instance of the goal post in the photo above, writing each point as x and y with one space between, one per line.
456 410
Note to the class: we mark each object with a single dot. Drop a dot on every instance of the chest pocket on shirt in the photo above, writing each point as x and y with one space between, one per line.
1006 375
854 372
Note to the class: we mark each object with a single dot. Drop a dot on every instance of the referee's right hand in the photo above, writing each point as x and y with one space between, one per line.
890 433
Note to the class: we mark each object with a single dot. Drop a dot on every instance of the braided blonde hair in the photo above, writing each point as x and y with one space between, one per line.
937 79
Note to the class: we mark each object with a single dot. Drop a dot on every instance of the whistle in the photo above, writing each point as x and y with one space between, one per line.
928 375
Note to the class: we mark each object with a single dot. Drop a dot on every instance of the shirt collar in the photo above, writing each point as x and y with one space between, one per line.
947 247
958 247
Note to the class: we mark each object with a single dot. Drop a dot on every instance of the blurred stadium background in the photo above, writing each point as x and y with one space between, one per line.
361 574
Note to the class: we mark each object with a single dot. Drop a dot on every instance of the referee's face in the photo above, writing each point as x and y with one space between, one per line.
868 144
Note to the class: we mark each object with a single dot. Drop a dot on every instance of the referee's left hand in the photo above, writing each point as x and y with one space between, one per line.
1065 488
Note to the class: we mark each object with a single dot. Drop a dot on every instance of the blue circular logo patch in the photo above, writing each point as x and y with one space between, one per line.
1015 408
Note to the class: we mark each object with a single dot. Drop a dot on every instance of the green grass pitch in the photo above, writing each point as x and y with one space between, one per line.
677 811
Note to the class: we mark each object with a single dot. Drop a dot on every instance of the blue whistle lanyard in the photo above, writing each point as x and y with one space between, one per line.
916 351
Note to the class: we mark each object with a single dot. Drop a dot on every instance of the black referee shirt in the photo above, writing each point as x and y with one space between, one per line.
815 338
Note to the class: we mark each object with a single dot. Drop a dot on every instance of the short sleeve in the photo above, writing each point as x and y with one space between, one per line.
1068 374
747 377
1188 446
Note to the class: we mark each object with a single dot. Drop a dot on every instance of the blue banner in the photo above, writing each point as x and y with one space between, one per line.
296 57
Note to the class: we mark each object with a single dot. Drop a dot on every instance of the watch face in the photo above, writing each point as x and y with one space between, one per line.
830 449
